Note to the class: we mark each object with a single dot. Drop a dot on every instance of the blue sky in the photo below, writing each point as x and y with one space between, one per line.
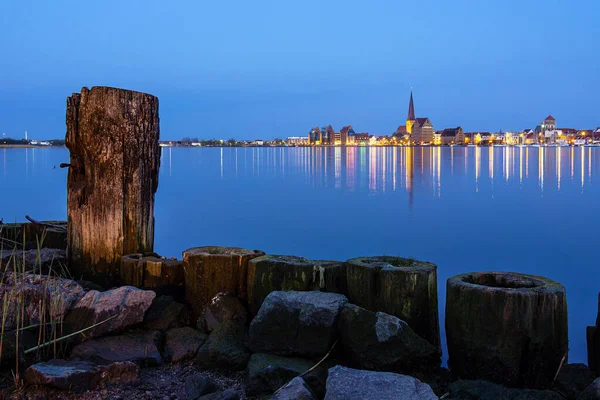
263 69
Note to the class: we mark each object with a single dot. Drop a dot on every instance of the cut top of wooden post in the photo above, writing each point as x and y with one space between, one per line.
112 135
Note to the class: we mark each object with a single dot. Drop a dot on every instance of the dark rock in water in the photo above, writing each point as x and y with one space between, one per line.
57 296
506 327
183 343
198 385
353 384
222 307
165 313
484 390
125 306
139 347
228 394
296 323
271 273
80 376
297 389
592 392
572 380
266 373
224 349
378 341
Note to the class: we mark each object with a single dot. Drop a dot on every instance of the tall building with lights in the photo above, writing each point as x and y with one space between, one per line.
410 119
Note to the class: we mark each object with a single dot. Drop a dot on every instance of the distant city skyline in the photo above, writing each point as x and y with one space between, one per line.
258 70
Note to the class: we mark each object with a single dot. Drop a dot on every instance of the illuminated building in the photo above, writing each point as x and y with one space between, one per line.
410 119
453 136
346 132
422 131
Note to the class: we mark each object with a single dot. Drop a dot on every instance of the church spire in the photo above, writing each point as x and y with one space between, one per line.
411 109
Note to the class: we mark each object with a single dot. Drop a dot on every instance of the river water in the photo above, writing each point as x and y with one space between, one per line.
524 209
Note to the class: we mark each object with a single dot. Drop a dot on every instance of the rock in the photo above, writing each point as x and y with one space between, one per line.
506 327
266 372
378 341
80 376
297 389
139 347
224 349
165 313
296 323
222 307
38 292
125 306
271 273
183 343
592 392
211 270
402 287
11 347
572 380
484 390
228 394
35 260
198 385
353 384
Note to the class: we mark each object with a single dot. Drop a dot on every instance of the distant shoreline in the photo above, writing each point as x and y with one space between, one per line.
25 146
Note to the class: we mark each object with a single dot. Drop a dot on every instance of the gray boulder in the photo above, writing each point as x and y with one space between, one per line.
197 385
592 392
165 313
228 394
352 384
125 306
56 296
484 390
296 323
379 341
183 343
222 307
80 376
297 389
139 347
224 349
267 372
572 380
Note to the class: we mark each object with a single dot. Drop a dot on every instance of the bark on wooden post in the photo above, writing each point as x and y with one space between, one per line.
112 135
507 328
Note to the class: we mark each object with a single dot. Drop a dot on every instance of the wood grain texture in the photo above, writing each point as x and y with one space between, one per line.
112 135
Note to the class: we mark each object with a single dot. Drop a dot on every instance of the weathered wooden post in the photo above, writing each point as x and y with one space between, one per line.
402 287
112 135
506 327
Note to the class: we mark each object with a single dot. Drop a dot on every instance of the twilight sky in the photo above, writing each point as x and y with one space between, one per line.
264 69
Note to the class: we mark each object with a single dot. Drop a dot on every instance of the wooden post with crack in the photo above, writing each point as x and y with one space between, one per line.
112 135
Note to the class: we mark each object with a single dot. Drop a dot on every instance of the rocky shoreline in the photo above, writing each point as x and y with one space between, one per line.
245 325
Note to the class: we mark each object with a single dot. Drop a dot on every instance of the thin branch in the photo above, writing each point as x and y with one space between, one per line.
68 336
313 367
33 221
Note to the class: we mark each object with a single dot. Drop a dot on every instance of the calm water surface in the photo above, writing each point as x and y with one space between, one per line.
530 210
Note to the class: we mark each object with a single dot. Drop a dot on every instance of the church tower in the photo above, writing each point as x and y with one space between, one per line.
410 120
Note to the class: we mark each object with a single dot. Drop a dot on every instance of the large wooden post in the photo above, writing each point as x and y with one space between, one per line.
112 135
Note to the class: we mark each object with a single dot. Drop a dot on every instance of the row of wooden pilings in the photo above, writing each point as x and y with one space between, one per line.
504 327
